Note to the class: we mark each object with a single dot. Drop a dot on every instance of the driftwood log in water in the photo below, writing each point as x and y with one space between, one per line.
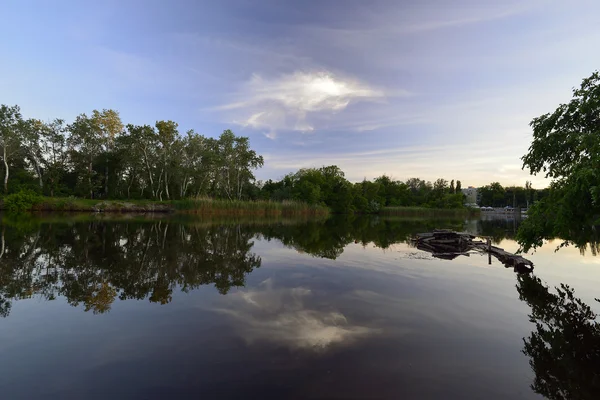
448 245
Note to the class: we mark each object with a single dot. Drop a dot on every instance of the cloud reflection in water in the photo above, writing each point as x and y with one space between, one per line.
281 316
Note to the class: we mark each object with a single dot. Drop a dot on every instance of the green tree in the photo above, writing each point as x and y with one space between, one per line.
109 126
530 192
54 154
33 132
419 191
493 195
566 148
167 135
11 124
236 164
458 187
142 142
85 144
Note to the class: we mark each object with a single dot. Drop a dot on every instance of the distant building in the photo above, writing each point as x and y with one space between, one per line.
470 195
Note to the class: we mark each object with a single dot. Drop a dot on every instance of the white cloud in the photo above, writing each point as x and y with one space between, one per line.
297 101
282 317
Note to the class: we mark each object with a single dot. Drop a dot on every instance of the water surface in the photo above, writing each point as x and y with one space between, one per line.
142 308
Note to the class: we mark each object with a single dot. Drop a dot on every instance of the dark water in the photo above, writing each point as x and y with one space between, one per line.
337 309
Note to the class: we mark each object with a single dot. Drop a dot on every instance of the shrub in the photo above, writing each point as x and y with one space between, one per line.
22 201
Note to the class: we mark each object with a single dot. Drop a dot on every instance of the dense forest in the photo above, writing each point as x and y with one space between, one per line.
97 156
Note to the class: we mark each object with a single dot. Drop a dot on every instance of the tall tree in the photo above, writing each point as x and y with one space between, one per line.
167 136
530 193
144 147
33 133
53 150
566 148
236 163
10 126
85 144
109 126
458 187
493 195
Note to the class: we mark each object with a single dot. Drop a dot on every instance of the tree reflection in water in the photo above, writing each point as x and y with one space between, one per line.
564 348
93 263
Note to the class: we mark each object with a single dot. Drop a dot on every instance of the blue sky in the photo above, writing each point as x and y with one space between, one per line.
408 88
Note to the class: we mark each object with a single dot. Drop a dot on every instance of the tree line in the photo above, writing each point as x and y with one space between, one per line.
93 262
495 195
327 185
97 156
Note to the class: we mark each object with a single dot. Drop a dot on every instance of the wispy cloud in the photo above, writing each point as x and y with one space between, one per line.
297 101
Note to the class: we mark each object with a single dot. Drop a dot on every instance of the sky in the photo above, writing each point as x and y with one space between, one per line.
428 89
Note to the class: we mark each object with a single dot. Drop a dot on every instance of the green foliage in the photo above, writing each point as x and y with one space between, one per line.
22 201
492 195
207 206
566 148
328 186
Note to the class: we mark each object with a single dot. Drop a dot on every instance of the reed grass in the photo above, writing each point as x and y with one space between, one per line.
200 206
208 206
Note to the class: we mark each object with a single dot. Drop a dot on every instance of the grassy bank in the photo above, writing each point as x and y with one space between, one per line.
429 212
202 206
48 204
205 206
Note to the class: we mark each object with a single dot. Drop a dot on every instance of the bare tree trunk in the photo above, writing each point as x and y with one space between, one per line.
39 172
149 173
158 187
90 180
130 183
5 171
167 185
106 180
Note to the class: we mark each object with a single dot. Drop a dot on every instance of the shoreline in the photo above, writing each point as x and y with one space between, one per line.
186 206
206 206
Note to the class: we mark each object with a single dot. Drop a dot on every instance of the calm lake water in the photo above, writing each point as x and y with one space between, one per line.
171 308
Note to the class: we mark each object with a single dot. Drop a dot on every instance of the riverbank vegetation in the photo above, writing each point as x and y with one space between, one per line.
207 206
30 201
328 186
121 166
